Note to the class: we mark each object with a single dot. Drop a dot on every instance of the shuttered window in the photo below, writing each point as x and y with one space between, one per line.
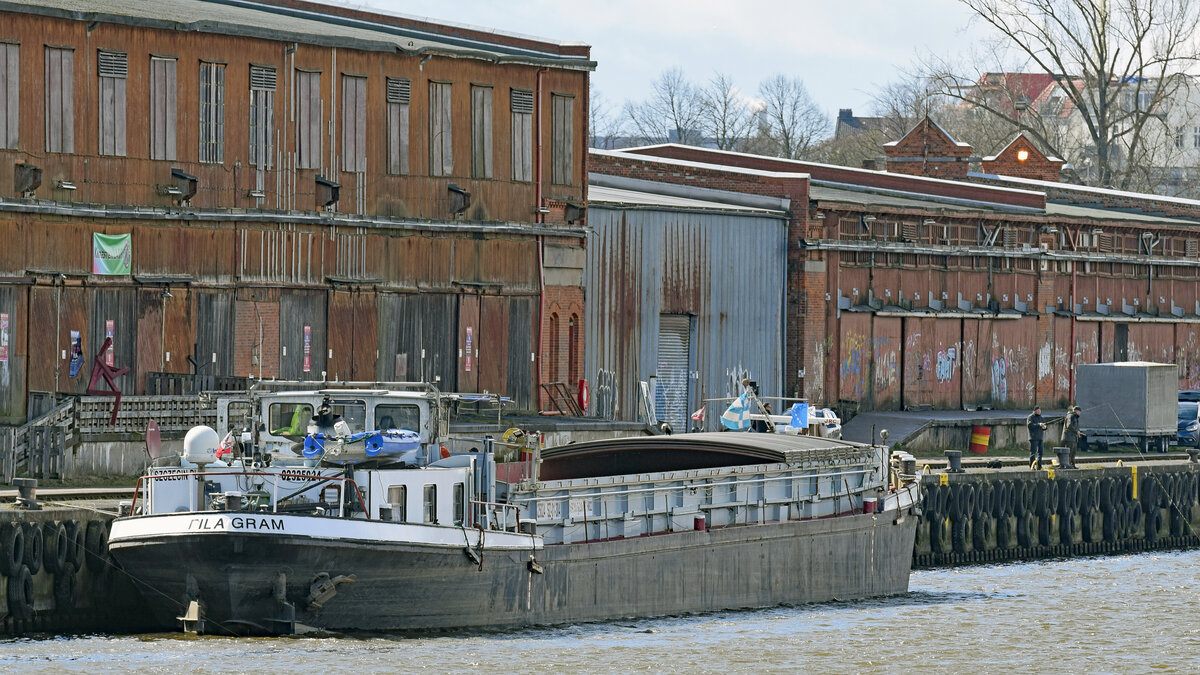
441 152
9 96
521 105
308 120
481 132
212 112
163 116
354 123
60 102
113 68
399 95
262 116
562 144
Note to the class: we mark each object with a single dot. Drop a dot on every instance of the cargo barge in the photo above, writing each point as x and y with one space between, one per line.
352 524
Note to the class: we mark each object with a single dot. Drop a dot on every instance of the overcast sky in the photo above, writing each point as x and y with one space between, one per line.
841 49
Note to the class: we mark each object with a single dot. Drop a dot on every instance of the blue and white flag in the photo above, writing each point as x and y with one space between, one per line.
799 416
737 416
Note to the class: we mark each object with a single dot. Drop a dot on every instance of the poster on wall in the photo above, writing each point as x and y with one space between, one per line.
76 353
3 338
108 333
112 253
307 348
470 348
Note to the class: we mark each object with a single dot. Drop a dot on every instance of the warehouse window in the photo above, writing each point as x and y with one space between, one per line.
308 119
262 116
60 102
481 131
441 152
555 349
562 145
9 96
399 95
521 105
212 112
354 123
162 108
574 372
113 69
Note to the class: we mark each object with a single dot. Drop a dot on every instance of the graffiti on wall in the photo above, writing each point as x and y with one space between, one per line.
947 362
1000 379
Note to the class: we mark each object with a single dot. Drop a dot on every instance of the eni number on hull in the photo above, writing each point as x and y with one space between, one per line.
352 509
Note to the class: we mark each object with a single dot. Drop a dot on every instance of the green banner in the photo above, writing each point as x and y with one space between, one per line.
112 253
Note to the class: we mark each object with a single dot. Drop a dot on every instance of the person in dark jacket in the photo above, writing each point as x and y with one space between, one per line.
1070 435
1037 432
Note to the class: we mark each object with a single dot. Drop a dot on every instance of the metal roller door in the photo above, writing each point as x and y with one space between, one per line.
671 393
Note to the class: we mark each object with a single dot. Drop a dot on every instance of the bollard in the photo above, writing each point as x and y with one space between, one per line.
1192 455
26 493
954 458
1064 458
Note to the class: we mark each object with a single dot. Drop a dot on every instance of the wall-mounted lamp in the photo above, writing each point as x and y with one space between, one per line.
169 190
64 185
166 293
820 215
328 192
868 219
256 194
928 222
460 199
1022 155
541 209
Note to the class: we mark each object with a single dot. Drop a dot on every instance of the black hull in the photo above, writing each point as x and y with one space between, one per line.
263 584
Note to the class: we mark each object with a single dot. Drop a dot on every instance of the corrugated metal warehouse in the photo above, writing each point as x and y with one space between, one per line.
284 189
683 293
905 291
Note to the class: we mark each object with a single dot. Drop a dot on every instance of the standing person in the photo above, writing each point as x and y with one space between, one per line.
1037 431
1070 434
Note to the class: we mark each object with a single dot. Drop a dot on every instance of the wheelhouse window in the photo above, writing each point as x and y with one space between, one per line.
460 496
430 504
398 498
289 419
406 417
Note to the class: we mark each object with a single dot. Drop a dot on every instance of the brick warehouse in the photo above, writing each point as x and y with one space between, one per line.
309 191
983 290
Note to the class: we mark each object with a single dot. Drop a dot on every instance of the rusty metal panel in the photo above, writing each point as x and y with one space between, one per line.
1187 349
493 344
366 335
512 263
213 350
469 332
932 373
302 336
115 310
43 338
1013 366
1153 342
854 357
645 263
148 352
977 362
73 316
522 327
885 363
418 338
179 331
353 335
411 259
12 353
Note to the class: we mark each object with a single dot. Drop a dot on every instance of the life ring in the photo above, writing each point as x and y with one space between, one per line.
64 587
12 549
20 593
33 547
55 547
96 545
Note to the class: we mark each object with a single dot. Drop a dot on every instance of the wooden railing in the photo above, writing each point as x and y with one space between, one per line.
37 447
174 415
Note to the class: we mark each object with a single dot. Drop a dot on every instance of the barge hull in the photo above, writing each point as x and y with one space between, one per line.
249 583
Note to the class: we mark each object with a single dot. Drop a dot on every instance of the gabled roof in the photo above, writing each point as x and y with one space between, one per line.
916 129
1025 141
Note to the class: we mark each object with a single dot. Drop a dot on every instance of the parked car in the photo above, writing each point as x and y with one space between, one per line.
1189 423
828 424
1189 395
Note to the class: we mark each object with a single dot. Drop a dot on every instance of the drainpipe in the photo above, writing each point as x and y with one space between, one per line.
537 132
1071 351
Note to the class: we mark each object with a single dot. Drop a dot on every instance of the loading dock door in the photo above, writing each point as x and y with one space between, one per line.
672 385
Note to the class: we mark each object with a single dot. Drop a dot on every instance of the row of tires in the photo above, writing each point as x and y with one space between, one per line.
1003 514
60 548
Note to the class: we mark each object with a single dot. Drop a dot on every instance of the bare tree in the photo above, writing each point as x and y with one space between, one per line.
671 114
790 120
606 129
726 118
1114 64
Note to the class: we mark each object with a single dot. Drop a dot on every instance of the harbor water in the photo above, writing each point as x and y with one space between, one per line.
1115 614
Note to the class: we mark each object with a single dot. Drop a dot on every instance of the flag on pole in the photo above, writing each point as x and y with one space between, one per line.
698 416
737 416
799 415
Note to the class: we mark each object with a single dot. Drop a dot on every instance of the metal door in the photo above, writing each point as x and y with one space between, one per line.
672 390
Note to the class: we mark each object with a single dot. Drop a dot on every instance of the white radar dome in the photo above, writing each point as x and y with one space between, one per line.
200 445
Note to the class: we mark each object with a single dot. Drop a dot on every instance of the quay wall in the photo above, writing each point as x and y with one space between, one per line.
996 516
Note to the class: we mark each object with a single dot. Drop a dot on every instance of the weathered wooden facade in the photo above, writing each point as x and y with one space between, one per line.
310 191
909 291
